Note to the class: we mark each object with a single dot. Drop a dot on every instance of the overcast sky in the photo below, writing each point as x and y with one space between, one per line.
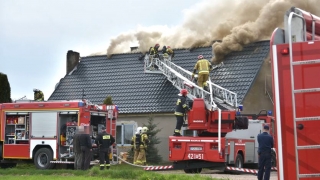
35 35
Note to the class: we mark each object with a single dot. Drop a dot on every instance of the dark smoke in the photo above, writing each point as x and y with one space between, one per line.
236 23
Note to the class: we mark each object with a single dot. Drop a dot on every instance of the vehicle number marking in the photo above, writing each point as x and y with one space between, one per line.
195 156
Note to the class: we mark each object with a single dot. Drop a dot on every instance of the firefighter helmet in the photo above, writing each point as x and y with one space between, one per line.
183 92
168 47
144 130
200 57
139 130
157 45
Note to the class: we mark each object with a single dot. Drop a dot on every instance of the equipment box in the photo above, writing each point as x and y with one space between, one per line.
20 120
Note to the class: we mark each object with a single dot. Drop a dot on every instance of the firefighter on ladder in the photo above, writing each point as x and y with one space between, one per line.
135 142
203 66
38 95
141 159
104 141
181 108
168 52
153 52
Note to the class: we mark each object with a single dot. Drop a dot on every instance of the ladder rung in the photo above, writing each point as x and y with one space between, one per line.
309 175
306 62
307 90
308 118
309 147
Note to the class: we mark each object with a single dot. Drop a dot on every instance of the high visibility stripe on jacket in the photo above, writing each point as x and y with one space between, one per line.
181 106
203 66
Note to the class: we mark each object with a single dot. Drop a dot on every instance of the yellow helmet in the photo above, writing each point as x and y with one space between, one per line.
144 130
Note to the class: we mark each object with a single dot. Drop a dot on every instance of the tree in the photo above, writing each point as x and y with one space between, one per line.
152 152
5 90
108 100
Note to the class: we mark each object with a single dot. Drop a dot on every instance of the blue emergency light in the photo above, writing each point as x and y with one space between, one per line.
240 107
80 104
269 113
238 113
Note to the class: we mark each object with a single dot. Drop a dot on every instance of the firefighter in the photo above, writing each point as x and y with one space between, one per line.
265 141
154 51
141 159
38 95
104 141
86 148
181 108
135 143
168 53
77 149
203 66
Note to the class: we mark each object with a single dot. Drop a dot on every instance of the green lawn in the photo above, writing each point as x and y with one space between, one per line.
119 172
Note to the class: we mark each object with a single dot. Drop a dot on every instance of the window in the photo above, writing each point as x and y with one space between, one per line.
124 134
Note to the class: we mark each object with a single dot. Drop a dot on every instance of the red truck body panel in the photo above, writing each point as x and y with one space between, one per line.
307 104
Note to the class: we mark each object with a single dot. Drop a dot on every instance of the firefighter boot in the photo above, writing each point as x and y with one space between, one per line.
102 167
176 132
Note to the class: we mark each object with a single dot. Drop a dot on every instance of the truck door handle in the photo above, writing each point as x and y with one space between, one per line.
251 136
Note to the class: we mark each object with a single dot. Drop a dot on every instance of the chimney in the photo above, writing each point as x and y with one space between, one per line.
72 60
133 48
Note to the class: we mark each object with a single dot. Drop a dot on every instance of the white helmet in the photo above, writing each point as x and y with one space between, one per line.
144 129
139 130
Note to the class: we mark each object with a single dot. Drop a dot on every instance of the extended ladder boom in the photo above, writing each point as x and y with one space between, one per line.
181 79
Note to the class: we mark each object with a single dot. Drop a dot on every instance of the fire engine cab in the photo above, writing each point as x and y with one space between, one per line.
43 131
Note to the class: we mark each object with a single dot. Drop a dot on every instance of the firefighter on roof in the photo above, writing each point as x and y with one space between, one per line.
104 141
181 108
38 95
168 52
141 159
203 66
135 142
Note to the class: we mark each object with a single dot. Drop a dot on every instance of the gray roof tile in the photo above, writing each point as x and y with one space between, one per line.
122 76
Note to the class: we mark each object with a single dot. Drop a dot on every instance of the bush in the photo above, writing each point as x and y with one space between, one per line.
108 100
5 90
152 152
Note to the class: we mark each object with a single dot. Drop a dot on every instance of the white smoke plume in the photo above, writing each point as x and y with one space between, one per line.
236 23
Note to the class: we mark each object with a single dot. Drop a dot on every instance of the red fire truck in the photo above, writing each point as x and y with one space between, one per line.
295 59
43 131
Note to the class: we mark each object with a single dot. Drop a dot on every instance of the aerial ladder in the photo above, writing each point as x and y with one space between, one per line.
215 98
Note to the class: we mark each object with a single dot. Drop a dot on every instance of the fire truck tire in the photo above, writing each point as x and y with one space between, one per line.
239 161
42 159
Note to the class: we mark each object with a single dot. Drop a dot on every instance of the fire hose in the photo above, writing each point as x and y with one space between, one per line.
130 163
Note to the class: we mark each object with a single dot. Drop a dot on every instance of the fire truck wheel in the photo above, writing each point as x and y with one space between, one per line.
42 159
239 161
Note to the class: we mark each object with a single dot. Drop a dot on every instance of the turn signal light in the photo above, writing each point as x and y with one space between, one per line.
285 51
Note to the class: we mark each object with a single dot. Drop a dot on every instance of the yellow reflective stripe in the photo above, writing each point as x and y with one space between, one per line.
177 130
184 106
107 164
178 101
178 113
101 164
106 137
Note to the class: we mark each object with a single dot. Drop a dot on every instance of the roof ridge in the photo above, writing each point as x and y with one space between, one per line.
183 48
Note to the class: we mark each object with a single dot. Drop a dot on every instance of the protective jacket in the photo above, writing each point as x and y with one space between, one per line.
170 52
136 141
104 140
181 106
203 66
144 141
153 51
38 96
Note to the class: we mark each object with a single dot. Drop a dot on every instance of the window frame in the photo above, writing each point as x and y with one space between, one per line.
122 138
